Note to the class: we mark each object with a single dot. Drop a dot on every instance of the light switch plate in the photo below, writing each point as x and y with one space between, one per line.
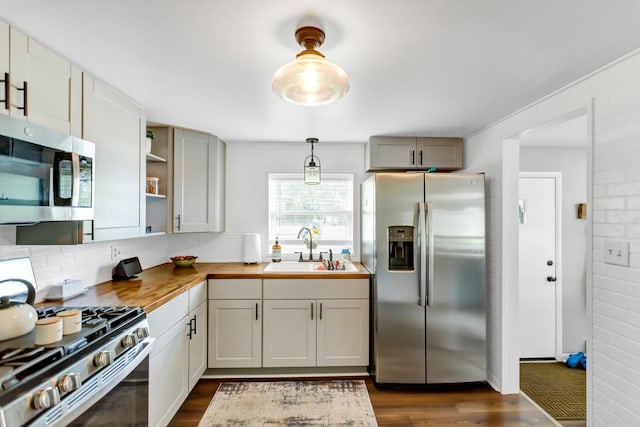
616 252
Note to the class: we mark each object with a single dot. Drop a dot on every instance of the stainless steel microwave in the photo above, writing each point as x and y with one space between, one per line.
44 175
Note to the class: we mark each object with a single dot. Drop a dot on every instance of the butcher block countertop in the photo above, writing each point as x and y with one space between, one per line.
158 285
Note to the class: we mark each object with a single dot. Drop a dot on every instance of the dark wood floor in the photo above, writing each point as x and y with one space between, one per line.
476 405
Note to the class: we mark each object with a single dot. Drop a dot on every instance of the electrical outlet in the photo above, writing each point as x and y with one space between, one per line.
616 252
115 253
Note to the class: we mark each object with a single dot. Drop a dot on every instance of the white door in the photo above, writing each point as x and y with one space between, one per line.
537 254
198 344
235 339
289 333
343 332
192 182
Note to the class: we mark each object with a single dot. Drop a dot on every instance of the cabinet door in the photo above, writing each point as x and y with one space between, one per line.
194 184
289 333
114 123
198 344
168 374
4 65
441 153
391 153
54 85
343 332
235 333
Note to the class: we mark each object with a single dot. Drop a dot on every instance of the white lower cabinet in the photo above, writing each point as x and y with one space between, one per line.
178 354
330 327
197 333
343 332
289 333
235 323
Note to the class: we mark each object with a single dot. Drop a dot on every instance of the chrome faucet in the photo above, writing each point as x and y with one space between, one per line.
310 242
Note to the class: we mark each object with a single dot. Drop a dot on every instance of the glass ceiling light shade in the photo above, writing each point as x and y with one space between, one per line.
312 166
310 79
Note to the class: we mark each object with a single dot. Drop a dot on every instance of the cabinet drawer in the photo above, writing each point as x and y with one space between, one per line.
167 315
316 288
235 288
197 295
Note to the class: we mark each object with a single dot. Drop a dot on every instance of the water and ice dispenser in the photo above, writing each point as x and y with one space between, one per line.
401 247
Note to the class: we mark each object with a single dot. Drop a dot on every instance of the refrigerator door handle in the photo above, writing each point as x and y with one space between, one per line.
423 250
431 254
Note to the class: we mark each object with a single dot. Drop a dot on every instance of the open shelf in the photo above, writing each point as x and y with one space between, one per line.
154 158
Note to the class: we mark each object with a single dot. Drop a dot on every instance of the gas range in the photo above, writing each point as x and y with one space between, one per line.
51 384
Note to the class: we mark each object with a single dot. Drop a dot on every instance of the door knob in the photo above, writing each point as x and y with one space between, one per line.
551 279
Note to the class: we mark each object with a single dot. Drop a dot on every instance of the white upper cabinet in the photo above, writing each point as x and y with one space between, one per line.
45 88
116 125
198 182
410 153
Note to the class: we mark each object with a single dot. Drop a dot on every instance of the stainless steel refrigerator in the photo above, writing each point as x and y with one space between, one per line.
423 240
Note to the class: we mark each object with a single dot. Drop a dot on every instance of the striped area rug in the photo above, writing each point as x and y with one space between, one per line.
290 403
558 389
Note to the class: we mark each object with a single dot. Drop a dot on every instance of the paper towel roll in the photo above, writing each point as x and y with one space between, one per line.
251 253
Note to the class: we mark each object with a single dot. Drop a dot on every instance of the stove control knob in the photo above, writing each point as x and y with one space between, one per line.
142 332
129 341
46 398
70 382
103 358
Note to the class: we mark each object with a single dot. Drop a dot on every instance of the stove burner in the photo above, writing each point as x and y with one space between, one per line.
19 364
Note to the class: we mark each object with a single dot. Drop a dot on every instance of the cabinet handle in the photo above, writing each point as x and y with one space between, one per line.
256 311
179 221
190 329
24 107
413 157
420 157
320 311
7 91
311 311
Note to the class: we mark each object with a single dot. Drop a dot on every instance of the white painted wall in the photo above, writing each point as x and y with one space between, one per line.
248 166
246 211
572 164
612 99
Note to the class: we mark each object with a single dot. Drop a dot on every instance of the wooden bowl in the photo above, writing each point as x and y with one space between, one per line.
183 260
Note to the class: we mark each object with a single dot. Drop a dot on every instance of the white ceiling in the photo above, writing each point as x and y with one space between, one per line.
417 67
568 133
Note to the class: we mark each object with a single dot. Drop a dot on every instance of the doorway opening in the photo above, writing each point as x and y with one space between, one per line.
553 241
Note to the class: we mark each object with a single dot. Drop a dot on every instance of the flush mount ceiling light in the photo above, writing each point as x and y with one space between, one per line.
311 167
310 79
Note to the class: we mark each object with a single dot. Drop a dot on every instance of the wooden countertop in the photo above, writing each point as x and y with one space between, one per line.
158 285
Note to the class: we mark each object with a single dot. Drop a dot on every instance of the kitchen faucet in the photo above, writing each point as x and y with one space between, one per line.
310 242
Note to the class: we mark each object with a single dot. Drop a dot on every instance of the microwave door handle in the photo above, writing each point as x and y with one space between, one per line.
431 254
423 250
52 187
75 185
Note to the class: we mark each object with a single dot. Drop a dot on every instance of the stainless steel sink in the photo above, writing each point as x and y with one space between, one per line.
304 267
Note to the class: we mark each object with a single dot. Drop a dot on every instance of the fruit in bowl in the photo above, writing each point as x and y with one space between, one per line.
183 260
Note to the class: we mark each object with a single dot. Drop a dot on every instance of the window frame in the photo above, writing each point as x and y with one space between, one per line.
291 246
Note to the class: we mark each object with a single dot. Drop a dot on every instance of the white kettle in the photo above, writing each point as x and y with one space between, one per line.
16 317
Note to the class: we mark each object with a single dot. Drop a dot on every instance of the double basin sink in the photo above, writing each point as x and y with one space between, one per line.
305 267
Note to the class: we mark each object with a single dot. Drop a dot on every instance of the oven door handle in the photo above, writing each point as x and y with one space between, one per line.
101 386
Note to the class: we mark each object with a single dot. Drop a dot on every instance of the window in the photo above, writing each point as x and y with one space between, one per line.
327 207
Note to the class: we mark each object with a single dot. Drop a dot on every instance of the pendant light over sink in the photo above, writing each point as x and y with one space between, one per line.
310 79
312 166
